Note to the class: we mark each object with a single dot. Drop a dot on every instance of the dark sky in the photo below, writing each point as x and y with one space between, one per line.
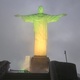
17 37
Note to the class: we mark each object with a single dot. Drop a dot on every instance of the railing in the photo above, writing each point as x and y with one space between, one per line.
26 76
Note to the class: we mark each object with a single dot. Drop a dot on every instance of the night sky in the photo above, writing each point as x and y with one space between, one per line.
17 37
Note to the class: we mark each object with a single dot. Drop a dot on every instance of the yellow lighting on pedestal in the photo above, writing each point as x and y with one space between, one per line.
26 64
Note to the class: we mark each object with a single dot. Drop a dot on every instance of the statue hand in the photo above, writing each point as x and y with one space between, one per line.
17 15
61 15
64 14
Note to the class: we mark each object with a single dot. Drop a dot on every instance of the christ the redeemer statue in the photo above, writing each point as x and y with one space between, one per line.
40 21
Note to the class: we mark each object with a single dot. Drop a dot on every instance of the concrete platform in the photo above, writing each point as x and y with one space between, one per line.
39 64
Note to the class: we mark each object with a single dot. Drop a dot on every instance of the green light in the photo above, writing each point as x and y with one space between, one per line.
40 21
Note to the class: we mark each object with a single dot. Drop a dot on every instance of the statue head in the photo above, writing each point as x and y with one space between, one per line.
40 9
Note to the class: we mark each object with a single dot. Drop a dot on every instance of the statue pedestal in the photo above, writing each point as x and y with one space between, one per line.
39 64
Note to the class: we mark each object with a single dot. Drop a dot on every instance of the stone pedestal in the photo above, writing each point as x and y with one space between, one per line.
39 64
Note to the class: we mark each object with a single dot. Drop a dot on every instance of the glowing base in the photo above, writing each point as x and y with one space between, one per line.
39 64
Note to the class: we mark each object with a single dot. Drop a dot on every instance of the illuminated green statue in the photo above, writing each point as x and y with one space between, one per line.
40 21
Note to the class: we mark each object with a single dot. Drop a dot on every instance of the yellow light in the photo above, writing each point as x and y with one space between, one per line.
40 21
26 64
40 41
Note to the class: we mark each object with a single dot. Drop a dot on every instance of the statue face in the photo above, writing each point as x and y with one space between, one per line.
40 9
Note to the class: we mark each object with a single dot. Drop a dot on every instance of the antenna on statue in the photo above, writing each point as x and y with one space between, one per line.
65 55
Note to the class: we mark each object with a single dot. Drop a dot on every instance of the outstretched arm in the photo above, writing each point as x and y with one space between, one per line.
26 18
54 18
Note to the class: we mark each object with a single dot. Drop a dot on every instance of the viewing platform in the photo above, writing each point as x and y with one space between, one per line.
57 71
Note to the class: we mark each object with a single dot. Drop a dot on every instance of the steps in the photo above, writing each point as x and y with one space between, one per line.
26 76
